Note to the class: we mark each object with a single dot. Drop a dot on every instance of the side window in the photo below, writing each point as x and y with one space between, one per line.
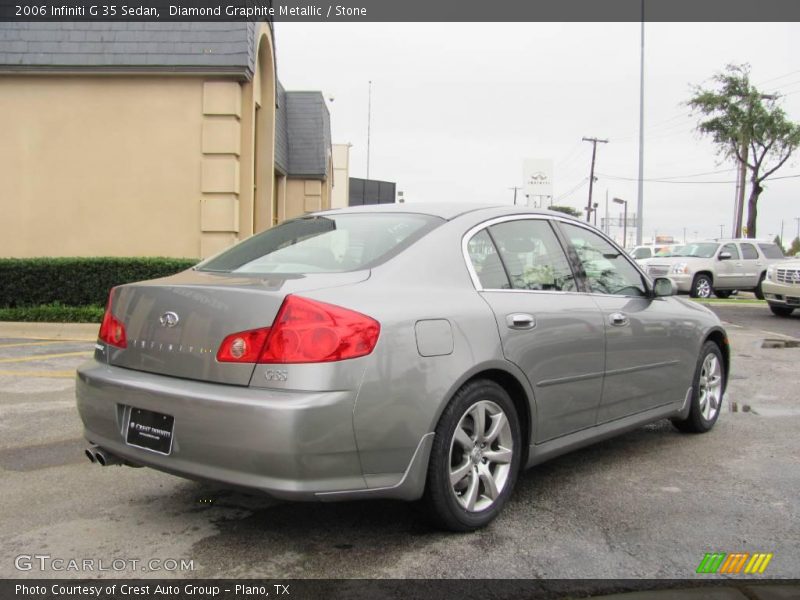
732 249
749 252
641 253
607 269
532 255
486 262
771 251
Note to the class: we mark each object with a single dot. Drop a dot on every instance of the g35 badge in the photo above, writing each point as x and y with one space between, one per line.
276 375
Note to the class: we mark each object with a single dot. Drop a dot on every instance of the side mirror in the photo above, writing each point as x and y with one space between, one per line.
662 286
724 256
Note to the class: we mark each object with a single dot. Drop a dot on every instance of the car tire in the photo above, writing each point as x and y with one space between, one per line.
471 473
781 311
708 388
758 291
701 287
723 294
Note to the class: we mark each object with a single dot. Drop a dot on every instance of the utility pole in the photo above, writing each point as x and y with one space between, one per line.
640 198
798 226
594 141
515 188
720 231
369 121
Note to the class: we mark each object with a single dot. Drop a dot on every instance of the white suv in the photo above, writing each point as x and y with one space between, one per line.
782 287
717 267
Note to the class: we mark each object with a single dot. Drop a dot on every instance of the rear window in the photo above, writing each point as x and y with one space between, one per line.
771 250
324 244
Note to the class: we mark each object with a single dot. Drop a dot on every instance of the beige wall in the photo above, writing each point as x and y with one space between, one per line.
100 165
340 194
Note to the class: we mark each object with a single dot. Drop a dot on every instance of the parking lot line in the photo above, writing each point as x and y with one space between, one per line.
56 374
41 343
44 357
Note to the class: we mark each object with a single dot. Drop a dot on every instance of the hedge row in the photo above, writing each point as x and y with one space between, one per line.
53 313
76 282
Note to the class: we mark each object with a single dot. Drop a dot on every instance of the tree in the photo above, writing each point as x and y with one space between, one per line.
748 126
779 243
794 249
567 210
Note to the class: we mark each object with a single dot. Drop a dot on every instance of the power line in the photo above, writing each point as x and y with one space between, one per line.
778 77
620 178
583 182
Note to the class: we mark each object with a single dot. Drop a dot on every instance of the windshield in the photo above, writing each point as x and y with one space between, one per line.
705 250
670 251
324 244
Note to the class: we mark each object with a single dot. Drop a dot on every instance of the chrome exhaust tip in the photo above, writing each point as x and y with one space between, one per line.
105 458
90 455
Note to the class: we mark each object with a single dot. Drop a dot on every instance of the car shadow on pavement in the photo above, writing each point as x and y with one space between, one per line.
261 537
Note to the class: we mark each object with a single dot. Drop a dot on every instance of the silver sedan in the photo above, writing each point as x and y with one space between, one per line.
419 352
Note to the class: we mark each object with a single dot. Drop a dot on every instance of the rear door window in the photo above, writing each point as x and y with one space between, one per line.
532 255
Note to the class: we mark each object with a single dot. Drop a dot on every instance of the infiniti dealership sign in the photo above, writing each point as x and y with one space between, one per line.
537 175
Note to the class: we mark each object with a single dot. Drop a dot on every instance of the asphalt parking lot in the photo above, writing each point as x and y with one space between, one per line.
648 504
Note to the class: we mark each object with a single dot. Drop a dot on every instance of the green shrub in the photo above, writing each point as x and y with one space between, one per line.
54 313
76 282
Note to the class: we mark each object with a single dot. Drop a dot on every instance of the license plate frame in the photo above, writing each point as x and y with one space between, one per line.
150 430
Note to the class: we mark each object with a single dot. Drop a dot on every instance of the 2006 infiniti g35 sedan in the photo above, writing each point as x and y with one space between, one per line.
403 351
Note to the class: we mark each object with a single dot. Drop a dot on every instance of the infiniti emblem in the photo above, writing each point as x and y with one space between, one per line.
169 319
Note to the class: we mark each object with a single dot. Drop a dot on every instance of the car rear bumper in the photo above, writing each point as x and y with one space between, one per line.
291 445
781 294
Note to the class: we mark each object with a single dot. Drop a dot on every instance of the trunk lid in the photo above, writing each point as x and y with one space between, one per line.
175 325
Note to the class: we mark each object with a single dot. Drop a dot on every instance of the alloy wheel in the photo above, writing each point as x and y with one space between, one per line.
710 387
480 456
703 288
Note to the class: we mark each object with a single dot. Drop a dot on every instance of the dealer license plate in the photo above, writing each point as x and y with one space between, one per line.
150 430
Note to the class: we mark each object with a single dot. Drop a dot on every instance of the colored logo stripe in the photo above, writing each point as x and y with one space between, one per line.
711 562
723 563
734 562
758 564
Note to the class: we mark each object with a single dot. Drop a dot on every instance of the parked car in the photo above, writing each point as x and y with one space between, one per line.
717 267
645 251
782 287
411 352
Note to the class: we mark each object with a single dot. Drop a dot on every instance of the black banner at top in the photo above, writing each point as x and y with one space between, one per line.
402 11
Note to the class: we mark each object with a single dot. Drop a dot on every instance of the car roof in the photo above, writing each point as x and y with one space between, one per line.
446 210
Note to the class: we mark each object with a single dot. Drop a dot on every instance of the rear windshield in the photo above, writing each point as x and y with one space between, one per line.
771 250
324 244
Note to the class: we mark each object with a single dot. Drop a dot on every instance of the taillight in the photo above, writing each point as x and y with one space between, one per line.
305 331
112 330
244 347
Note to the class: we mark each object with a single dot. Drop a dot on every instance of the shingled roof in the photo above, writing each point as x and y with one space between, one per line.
217 47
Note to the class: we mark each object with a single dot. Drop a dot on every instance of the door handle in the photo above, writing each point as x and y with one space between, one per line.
618 319
520 321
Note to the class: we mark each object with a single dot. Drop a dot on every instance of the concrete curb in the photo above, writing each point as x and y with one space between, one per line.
82 332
